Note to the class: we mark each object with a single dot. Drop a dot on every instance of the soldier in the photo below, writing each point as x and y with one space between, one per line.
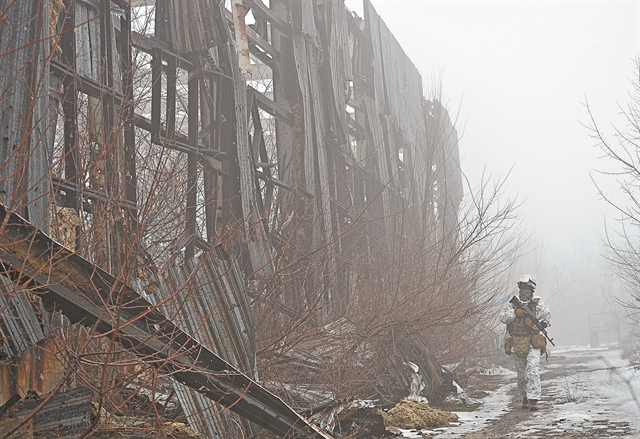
526 341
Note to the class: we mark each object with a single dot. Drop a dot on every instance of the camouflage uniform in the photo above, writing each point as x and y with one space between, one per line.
528 368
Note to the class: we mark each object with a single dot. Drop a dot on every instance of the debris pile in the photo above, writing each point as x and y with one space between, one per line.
70 414
410 415
364 419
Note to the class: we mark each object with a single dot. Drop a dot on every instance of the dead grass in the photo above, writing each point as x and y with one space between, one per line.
417 415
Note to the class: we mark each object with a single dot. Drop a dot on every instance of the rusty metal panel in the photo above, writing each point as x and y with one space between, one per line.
325 208
81 290
7 382
377 152
257 242
207 299
447 175
39 367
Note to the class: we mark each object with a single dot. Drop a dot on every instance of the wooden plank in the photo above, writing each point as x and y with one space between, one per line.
179 142
267 53
257 40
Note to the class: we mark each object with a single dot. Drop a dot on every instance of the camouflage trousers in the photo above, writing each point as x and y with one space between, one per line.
528 370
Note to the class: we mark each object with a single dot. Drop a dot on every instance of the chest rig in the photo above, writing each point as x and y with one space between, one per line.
518 327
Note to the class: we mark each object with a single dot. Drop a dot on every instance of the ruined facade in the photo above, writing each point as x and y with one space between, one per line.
214 177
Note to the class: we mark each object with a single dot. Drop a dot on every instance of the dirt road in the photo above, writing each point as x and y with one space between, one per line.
587 393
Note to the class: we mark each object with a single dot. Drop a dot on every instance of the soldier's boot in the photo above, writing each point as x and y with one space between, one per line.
525 403
533 405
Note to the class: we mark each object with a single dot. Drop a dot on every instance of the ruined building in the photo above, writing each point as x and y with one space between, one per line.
219 214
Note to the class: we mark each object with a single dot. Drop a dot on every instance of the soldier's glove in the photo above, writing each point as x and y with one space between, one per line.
520 312
528 322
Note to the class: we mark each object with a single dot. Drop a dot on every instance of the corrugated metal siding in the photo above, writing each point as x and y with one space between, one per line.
39 367
372 20
80 290
207 299
23 82
66 415
18 318
193 25
339 58
308 21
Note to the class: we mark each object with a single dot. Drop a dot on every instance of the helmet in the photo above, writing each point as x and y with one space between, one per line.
527 279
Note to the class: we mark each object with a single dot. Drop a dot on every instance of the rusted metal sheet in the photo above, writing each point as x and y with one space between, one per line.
377 148
81 291
324 173
40 367
300 54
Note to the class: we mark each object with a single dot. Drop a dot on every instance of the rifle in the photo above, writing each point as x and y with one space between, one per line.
519 305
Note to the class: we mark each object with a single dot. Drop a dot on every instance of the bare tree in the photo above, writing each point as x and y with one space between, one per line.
621 146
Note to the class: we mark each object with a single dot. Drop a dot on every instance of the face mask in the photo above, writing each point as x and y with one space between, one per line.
526 294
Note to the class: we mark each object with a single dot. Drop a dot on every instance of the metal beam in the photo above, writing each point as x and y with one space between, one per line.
85 294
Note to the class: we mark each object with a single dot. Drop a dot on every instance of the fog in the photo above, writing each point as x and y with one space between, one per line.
518 75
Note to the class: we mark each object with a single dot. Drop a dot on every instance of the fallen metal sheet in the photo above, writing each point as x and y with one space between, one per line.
18 319
65 415
38 368
207 299
86 294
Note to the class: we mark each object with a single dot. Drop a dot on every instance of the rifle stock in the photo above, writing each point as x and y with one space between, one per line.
519 305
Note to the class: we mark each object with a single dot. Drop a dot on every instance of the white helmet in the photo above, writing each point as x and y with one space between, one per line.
527 279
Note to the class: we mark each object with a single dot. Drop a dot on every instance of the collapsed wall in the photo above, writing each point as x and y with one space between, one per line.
148 136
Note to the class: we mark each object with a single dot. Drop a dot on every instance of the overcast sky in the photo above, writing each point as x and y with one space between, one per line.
518 74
